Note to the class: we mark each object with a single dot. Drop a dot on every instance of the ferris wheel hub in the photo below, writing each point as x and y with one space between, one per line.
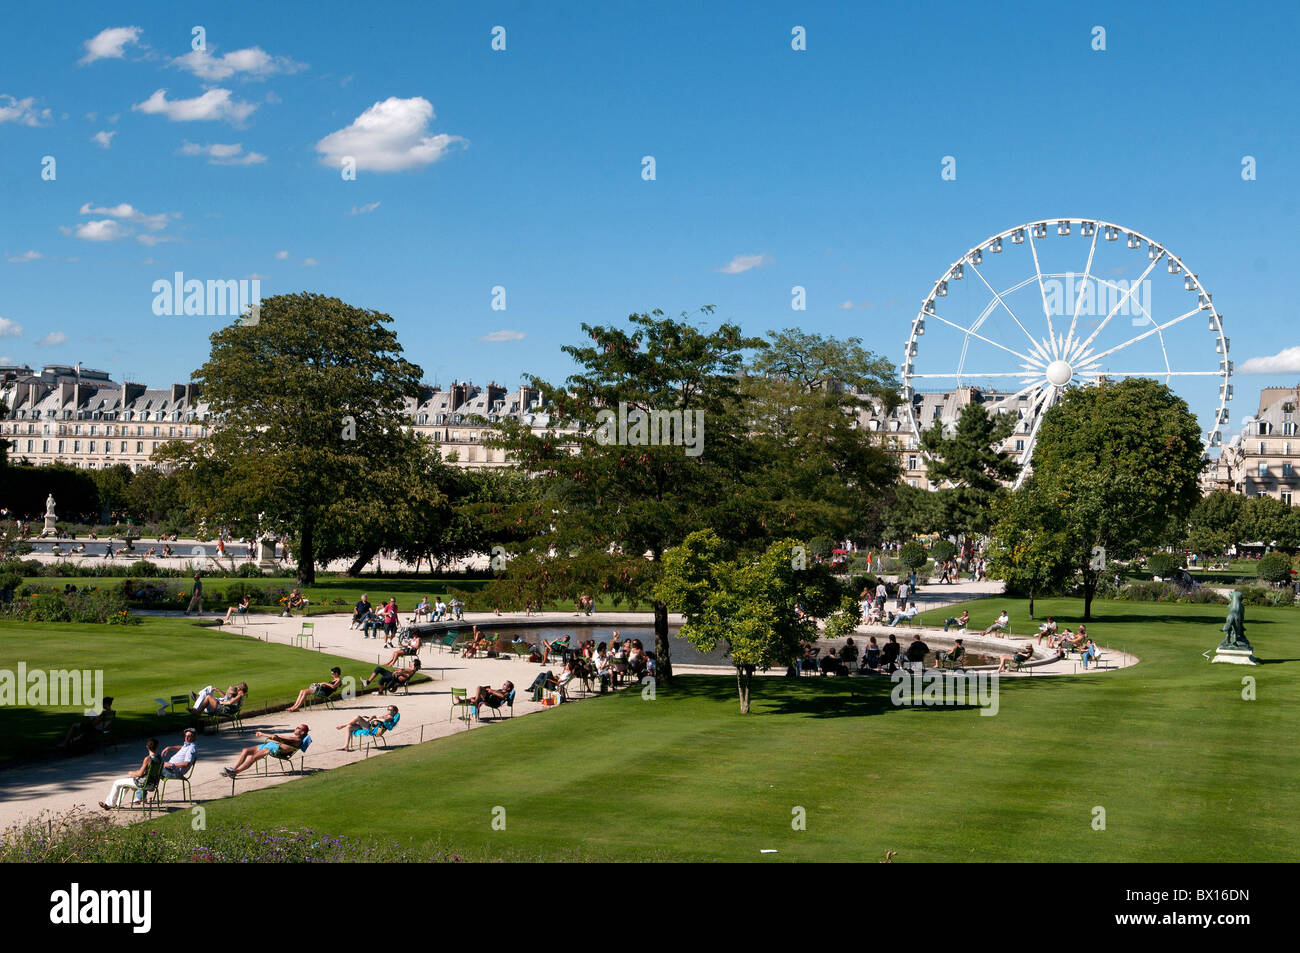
1059 373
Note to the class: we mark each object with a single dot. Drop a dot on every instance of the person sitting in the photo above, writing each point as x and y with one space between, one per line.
492 697
89 728
871 657
831 664
182 756
282 746
206 702
999 624
559 646
584 604
1090 651
849 654
423 609
960 622
322 690
1078 640
439 609
371 725
889 654
953 656
458 609
152 764
601 663
391 681
1046 630
371 624
907 615
1020 658
360 612
296 600
242 609
412 647
477 643
917 651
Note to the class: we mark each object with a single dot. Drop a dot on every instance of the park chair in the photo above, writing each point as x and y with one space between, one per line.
150 788
373 735
460 699
183 700
954 659
1018 665
508 703
448 641
230 713
263 766
307 634
183 780
522 650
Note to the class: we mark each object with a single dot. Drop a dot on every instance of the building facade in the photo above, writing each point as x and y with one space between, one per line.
1264 459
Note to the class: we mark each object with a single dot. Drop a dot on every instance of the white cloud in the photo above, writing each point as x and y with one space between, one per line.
215 104
1285 361
52 339
155 223
22 111
310 262
846 305
364 209
26 256
504 336
10 329
223 154
744 263
152 240
282 254
105 230
104 139
390 136
110 44
252 63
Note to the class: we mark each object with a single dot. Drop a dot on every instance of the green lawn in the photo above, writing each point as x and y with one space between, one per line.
156 659
1183 766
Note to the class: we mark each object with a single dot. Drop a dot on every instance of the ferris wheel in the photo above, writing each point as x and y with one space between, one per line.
1011 321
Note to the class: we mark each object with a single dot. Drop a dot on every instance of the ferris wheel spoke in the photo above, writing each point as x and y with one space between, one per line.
1092 358
1078 301
1042 291
1037 347
1003 401
969 332
1023 375
1045 400
1118 304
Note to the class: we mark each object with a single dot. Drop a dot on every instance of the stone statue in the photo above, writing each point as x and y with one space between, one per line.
50 529
1234 648
49 505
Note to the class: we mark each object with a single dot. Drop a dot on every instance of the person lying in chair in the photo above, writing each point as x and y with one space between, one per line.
281 746
410 648
389 681
322 690
1020 658
492 697
207 702
371 725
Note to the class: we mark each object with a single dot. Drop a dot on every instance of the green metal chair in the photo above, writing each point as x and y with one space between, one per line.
307 634
184 781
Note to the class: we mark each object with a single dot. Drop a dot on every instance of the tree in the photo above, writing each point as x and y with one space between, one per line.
968 460
1267 520
1121 463
1213 524
113 484
750 603
1028 548
310 402
942 551
1274 568
912 555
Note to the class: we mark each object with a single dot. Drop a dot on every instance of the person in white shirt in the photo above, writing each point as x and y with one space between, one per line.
182 758
1002 621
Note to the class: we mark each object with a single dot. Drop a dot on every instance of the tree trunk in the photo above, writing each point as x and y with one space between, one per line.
1031 602
1089 590
306 554
663 652
367 554
743 679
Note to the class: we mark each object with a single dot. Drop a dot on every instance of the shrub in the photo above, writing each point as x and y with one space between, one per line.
143 567
1254 596
863 582
942 551
1274 568
912 555
1162 564
10 581
249 571
1150 592
23 567
819 547
1203 597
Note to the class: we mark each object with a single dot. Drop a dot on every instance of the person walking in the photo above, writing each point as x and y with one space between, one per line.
196 600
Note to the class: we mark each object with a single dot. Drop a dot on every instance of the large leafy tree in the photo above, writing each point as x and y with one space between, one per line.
613 507
750 603
1120 463
309 406
1028 545
968 461
1267 520
1213 524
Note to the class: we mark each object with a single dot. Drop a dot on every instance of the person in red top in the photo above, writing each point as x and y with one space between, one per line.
388 612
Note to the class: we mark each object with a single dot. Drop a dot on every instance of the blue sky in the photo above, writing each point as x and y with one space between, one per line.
823 165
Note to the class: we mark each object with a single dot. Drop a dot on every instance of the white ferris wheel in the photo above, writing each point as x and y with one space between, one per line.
1015 318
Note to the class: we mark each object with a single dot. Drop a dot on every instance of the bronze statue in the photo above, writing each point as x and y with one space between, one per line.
1234 627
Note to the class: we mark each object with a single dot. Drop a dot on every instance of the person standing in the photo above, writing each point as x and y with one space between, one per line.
196 599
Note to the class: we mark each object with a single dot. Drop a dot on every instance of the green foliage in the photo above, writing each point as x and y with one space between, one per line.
1274 568
943 550
1259 596
99 606
912 555
1168 592
820 547
1029 547
969 456
1214 523
1162 564
1267 520
25 488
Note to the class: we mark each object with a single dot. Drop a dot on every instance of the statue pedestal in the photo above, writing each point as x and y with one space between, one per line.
1235 656
266 555
50 528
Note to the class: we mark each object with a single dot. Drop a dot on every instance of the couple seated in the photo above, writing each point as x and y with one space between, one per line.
277 745
207 702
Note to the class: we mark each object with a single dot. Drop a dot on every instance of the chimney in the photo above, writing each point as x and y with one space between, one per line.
179 392
130 392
